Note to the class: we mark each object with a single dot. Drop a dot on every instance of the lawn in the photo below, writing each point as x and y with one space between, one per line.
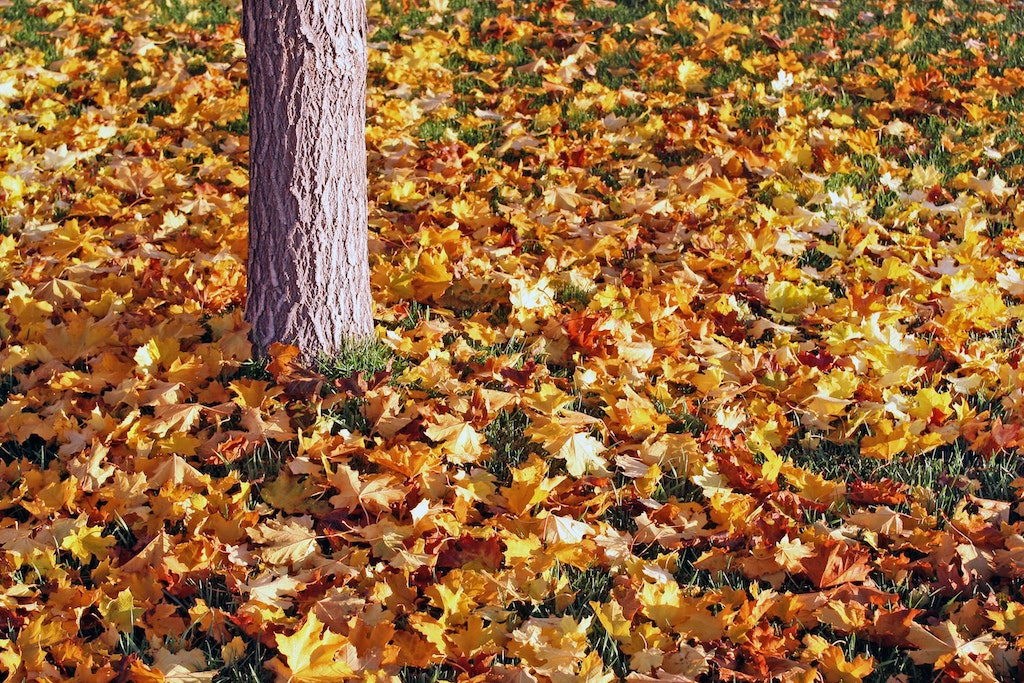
698 358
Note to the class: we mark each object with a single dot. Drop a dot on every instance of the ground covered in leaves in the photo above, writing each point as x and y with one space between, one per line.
699 352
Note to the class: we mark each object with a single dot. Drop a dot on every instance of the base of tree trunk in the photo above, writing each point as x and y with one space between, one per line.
308 277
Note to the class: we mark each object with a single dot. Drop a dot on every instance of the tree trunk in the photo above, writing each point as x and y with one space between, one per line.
309 280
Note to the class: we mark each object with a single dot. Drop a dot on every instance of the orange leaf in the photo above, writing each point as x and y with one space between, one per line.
837 564
298 381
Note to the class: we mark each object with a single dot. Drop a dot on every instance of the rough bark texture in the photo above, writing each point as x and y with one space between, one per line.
308 281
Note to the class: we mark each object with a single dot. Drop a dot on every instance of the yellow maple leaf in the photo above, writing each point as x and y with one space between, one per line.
582 455
790 299
120 611
86 542
314 654
888 441
832 663
691 75
432 275
530 485
790 554
288 541
613 620
547 399
1009 620
175 417
460 442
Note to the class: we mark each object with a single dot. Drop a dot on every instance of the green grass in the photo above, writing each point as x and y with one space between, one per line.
369 357
134 644
262 465
249 668
950 472
512 347
432 674
506 435
476 136
33 31
415 312
200 14
433 130
347 416
573 296
239 126
8 384
254 368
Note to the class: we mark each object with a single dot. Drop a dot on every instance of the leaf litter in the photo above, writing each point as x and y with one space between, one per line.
702 338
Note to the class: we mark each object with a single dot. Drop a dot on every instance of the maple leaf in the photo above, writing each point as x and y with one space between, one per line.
461 442
177 418
790 554
613 620
558 529
891 627
298 381
555 644
293 494
883 492
835 564
386 412
1010 620
177 472
843 617
288 541
157 554
314 654
832 662
887 442
184 666
691 75
373 494
942 644
91 469
529 486
121 611
582 455
86 542
272 589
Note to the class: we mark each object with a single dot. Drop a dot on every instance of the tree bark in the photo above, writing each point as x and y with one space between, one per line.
308 279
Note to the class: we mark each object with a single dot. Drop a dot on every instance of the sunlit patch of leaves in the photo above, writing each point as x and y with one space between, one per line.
656 281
